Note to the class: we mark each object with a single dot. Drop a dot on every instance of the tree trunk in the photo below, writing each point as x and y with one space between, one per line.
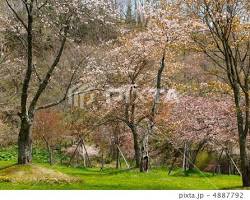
117 158
172 165
245 168
144 154
136 147
50 151
117 153
51 157
141 165
184 162
24 143
83 156
192 159
103 162
191 162
244 164
144 164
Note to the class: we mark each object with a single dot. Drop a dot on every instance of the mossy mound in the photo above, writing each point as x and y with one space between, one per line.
34 173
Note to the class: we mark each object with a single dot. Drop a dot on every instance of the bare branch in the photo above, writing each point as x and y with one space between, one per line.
17 16
45 81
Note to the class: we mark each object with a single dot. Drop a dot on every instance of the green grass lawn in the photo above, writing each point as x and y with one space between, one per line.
94 179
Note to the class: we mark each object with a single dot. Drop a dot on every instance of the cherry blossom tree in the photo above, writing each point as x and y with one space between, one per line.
55 17
170 32
199 122
133 66
222 33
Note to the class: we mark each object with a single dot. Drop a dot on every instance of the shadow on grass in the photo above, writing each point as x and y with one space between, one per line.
193 172
93 172
8 166
237 188
116 171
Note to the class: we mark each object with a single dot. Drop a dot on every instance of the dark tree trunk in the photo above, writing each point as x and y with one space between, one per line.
172 164
242 131
244 163
117 157
193 157
141 165
136 147
117 152
144 155
144 164
192 160
50 151
25 143
103 162
194 153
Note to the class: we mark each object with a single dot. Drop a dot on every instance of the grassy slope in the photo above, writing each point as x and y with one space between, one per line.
114 179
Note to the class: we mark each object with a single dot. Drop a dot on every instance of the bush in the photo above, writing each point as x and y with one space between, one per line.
40 155
8 153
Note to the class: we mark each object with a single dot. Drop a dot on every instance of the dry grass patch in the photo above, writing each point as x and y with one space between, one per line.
34 173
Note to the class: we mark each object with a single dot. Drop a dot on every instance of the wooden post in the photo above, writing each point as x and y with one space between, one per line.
217 167
117 158
87 155
83 156
234 163
123 157
72 157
